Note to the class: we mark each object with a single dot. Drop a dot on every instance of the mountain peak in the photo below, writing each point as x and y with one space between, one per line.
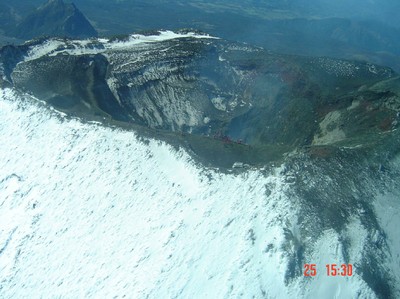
56 1
52 4
56 18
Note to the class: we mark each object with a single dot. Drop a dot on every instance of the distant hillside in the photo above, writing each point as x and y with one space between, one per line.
316 28
55 18
280 26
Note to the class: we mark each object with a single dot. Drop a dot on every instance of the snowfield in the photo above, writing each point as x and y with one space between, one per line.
88 211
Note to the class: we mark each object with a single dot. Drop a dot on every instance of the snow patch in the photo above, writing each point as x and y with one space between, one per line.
219 103
328 251
112 84
354 105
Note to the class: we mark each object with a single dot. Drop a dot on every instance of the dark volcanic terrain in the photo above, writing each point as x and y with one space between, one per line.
232 96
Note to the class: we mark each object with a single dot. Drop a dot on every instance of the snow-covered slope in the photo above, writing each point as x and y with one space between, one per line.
97 212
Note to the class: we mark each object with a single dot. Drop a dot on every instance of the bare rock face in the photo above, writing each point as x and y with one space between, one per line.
55 18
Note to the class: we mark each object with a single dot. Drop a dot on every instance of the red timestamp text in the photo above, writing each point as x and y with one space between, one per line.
331 270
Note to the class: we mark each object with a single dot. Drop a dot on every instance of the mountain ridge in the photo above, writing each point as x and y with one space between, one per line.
55 18
230 93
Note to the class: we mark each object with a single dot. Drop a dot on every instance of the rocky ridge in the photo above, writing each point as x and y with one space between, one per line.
187 82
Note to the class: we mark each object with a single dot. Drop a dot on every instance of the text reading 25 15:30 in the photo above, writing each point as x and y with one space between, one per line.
331 270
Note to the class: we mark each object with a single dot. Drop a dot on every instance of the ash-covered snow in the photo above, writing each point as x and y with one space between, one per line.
91 211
